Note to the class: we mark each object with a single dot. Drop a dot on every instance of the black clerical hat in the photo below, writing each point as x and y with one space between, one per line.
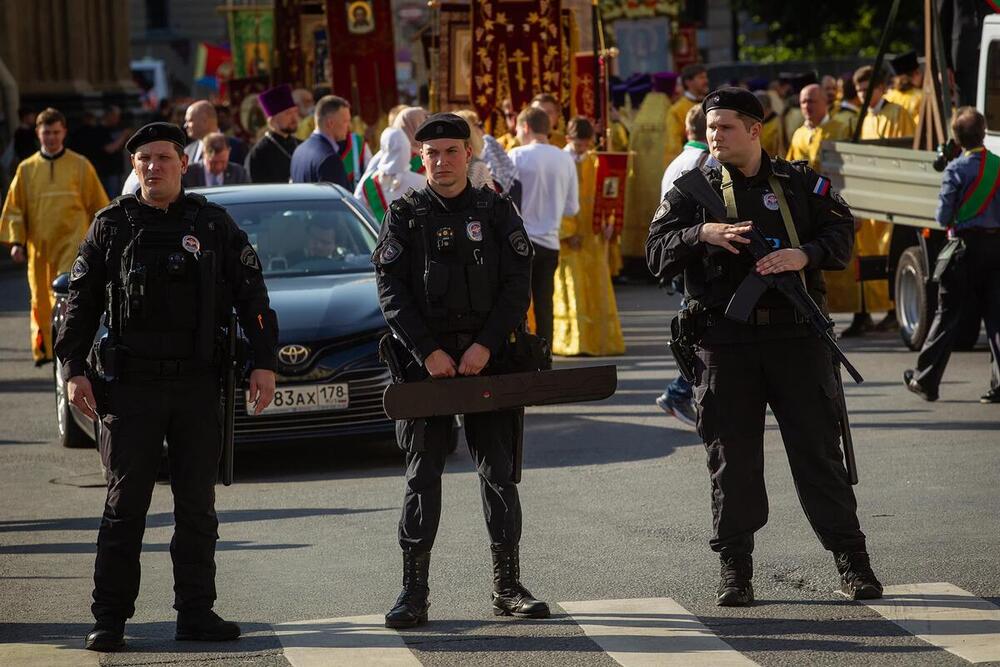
156 132
735 99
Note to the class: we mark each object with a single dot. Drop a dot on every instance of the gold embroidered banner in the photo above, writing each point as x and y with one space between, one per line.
518 52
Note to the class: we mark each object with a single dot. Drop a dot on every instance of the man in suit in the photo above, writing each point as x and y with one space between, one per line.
317 159
214 167
202 119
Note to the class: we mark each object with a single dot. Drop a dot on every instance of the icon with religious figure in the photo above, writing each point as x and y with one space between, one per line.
611 187
360 17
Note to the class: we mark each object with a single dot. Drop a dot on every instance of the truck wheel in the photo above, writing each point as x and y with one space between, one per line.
914 307
969 327
70 433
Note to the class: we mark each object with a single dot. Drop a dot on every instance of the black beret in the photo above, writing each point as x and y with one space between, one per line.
735 99
156 132
442 126
905 63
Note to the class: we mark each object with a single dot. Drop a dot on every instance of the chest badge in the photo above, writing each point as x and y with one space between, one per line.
771 201
445 239
474 230
191 244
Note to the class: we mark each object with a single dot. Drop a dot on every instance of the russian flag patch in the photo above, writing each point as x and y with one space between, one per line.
822 187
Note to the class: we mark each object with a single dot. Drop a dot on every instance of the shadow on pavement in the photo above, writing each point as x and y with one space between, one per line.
146 638
164 519
91 547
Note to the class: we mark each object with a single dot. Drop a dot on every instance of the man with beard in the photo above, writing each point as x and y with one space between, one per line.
270 159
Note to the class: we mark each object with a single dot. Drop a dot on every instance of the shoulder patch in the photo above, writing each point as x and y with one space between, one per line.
391 251
249 259
821 187
79 270
662 210
519 243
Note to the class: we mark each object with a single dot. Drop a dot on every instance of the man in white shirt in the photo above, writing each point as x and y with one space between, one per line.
549 192
694 154
676 399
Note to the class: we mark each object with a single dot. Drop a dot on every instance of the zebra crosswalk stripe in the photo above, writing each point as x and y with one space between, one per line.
348 641
50 654
652 631
946 616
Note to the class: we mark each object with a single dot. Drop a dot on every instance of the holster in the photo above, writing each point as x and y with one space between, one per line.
953 251
684 334
390 353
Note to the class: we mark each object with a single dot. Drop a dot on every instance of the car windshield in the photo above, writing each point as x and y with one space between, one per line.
306 237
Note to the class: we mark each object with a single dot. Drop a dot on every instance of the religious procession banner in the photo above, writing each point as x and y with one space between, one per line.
287 63
453 75
363 56
518 52
584 85
613 170
251 33
569 44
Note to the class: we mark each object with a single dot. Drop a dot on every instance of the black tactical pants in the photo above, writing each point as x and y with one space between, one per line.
491 437
973 279
794 376
543 277
140 413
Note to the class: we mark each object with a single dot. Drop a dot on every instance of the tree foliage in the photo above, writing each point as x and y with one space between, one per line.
808 30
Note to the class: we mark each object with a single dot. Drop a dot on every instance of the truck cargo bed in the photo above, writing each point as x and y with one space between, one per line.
898 185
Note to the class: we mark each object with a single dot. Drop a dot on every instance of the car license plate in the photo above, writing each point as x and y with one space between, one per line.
306 398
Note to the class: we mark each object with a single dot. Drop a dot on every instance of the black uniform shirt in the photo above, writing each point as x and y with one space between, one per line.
270 160
94 268
823 222
399 262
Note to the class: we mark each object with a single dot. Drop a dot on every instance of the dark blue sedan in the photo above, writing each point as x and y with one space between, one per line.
315 243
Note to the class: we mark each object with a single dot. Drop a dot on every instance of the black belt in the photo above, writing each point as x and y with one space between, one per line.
978 231
760 317
165 367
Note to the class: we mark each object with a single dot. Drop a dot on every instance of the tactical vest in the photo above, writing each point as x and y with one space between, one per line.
460 267
162 283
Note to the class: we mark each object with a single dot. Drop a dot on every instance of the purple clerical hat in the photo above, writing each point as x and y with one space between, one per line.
665 82
275 100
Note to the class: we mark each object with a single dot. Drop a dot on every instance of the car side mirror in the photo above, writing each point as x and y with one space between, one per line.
61 284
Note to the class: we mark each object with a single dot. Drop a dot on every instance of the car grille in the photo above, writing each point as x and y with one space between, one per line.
364 413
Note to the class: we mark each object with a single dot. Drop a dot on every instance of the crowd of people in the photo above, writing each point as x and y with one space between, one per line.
545 164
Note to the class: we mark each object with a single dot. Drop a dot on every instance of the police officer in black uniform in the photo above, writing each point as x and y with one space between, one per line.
773 361
165 269
453 271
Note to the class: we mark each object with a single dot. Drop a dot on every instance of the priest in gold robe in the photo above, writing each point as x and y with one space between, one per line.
50 204
694 79
907 90
647 142
884 120
585 313
842 291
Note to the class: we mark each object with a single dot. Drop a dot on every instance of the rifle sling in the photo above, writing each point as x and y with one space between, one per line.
786 214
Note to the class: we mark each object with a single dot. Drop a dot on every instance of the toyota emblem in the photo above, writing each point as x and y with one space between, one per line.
293 355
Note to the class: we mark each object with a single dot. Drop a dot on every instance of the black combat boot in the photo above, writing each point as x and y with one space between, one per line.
735 589
412 605
205 626
510 598
857 581
108 635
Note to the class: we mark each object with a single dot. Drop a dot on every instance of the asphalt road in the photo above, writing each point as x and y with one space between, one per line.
615 499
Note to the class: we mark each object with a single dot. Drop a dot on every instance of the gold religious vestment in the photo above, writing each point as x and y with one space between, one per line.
648 143
676 130
585 314
49 208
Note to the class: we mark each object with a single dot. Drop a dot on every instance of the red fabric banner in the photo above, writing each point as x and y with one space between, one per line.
518 52
363 55
287 51
609 191
584 86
